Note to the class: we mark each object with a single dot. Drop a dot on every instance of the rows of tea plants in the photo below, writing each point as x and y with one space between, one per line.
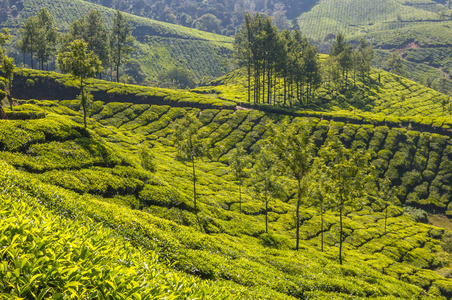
166 194
49 254
418 162
263 265
351 17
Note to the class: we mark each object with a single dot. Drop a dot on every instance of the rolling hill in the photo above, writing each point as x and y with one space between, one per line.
418 30
49 163
159 46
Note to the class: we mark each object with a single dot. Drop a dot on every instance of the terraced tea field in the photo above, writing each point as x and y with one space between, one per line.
159 46
103 179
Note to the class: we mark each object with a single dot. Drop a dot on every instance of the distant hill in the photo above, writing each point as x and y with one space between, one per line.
418 29
160 46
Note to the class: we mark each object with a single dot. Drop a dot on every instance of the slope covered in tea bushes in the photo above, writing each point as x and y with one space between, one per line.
418 30
159 46
101 176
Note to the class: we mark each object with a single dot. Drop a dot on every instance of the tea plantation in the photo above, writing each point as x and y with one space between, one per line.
108 213
418 30
159 46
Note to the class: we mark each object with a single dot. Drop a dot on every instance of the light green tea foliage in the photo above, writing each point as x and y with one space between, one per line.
44 256
220 243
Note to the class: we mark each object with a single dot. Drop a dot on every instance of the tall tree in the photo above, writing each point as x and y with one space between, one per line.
8 68
311 70
5 37
319 191
363 56
242 45
82 64
348 172
239 162
388 195
264 178
342 51
295 148
29 35
91 29
190 143
46 36
120 40
395 64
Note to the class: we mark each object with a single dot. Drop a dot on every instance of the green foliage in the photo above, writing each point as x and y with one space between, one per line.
120 41
215 241
82 64
180 77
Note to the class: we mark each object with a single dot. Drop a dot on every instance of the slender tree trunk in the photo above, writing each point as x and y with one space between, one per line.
264 71
275 86
298 216
240 196
321 225
194 182
31 55
341 231
118 63
249 82
285 90
9 94
269 82
266 213
83 102
386 216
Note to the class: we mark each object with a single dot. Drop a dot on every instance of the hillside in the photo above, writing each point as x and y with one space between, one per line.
159 46
419 30
103 177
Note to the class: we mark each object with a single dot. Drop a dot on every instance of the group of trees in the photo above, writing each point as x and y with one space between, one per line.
39 37
83 50
7 67
335 179
284 68
276 62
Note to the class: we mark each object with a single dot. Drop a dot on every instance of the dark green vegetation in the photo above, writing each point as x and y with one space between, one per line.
222 17
124 175
419 31
159 46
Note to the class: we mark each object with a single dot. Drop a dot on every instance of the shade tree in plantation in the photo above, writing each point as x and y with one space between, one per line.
319 192
395 64
264 177
180 77
362 59
91 29
190 143
8 68
341 53
386 194
5 37
279 64
295 149
239 162
28 38
46 37
82 64
38 37
120 41
347 173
